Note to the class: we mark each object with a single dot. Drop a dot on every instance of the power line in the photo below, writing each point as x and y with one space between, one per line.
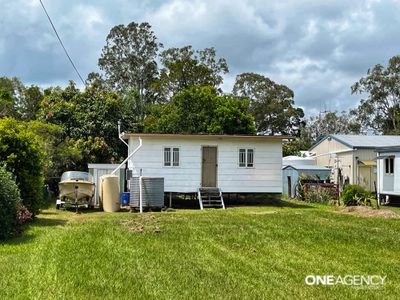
62 44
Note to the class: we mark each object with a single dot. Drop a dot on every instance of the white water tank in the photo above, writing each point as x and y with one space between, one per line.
298 161
109 193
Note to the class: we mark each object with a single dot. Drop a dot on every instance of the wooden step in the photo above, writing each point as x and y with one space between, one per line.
210 198
211 206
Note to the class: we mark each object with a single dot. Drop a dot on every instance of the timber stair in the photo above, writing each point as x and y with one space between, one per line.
210 198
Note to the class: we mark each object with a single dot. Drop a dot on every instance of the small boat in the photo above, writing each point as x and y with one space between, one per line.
76 188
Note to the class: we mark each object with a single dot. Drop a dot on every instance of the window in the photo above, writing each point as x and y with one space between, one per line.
175 157
246 158
171 157
250 158
389 165
242 158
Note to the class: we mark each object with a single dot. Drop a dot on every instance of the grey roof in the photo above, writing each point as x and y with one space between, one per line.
364 141
308 167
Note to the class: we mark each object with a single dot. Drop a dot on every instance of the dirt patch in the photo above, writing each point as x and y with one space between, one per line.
367 211
258 213
142 223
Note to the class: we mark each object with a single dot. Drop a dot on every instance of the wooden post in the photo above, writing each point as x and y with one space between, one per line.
170 199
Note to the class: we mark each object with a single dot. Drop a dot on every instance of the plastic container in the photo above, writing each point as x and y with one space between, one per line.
109 193
125 199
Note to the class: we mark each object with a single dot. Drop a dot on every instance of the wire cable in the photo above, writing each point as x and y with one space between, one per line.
62 44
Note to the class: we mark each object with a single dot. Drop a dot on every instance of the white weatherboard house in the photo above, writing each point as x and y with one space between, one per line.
232 163
388 177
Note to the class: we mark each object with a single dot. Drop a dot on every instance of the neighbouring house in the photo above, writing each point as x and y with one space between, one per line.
301 168
388 179
352 157
231 163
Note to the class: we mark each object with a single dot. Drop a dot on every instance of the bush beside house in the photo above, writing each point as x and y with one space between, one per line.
23 157
356 195
9 200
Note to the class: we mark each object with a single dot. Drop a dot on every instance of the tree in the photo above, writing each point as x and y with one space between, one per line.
10 93
19 101
381 109
294 147
30 102
185 67
96 81
61 152
59 107
201 110
23 157
89 118
330 123
129 58
135 110
272 104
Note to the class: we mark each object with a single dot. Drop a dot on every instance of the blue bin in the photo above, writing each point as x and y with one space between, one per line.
125 199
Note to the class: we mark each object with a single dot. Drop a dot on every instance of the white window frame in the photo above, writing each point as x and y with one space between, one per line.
246 156
389 167
171 156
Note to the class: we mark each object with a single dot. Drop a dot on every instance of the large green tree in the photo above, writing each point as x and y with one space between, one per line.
380 109
330 123
11 93
90 118
201 110
185 67
272 104
129 58
17 100
23 156
294 147
61 152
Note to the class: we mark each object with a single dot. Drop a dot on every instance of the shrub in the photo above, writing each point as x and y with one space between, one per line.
315 193
352 192
9 200
23 156
23 215
318 194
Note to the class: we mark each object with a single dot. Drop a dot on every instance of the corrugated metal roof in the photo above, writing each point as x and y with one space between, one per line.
368 141
204 136
363 141
308 167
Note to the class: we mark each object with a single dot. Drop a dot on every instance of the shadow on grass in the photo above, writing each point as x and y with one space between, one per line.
25 237
81 209
269 203
47 222
19 239
240 200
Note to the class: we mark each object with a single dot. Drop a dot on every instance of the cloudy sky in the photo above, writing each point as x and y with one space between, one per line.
317 48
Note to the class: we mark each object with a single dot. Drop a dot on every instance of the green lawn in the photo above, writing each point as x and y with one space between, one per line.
239 253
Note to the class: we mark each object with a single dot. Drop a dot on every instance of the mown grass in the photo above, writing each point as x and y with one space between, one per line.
239 253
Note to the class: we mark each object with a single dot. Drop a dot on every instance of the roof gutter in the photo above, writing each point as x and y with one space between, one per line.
335 152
